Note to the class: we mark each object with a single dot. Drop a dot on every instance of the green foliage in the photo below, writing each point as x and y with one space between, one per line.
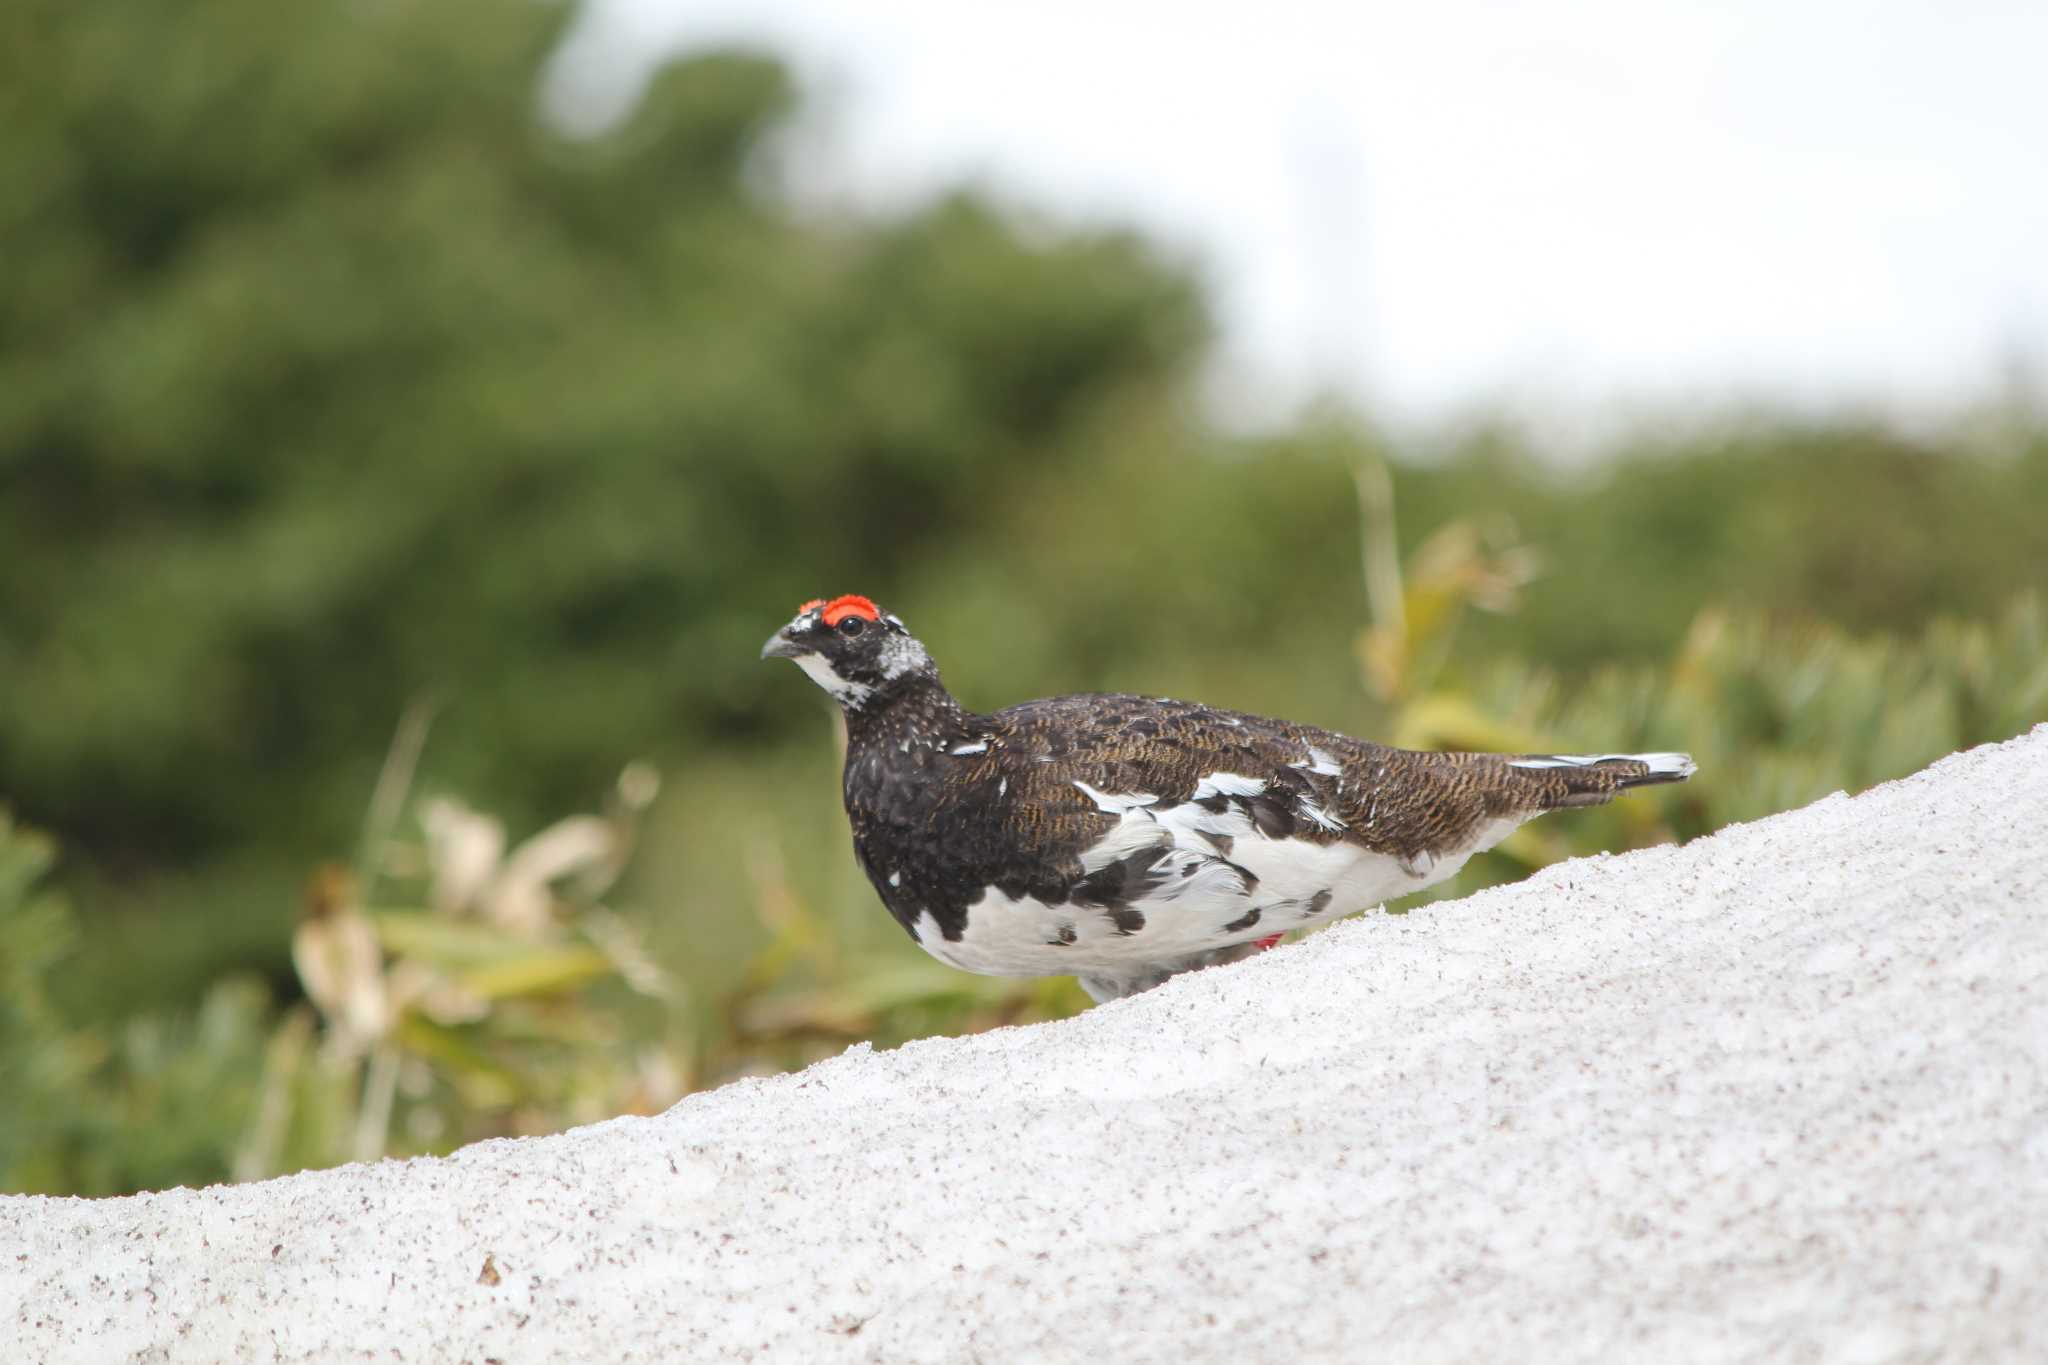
480 993
1846 521
464 989
487 997
328 379
38 1061
1777 715
149 1101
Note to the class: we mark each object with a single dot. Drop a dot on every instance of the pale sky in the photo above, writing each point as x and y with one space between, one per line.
1437 206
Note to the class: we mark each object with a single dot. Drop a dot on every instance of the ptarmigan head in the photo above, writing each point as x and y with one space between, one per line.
852 649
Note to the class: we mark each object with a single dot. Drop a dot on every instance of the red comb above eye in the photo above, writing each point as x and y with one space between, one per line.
814 602
839 608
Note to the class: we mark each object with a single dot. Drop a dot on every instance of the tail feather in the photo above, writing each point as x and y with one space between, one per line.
1593 779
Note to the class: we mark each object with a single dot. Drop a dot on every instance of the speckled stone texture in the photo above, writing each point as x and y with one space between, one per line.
1780 1094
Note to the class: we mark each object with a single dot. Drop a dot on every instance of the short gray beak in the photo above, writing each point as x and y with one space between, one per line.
780 646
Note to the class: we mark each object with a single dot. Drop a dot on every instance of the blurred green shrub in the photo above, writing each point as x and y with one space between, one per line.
455 989
460 988
475 991
329 378
1778 714
152 1099
1847 520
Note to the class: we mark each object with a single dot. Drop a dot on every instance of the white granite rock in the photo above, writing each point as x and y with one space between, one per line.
1779 1094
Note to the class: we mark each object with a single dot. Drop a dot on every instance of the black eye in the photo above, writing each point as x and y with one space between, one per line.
852 625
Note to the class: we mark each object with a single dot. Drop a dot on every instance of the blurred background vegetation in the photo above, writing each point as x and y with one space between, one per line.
386 478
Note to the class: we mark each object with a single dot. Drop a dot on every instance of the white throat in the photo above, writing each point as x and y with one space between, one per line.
844 692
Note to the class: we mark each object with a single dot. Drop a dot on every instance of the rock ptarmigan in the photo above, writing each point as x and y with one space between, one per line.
1124 839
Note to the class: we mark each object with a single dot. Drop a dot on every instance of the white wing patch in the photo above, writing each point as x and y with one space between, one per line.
1204 880
1322 818
1320 763
1295 872
980 746
1661 765
1213 870
1135 832
1228 784
1114 805
1195 827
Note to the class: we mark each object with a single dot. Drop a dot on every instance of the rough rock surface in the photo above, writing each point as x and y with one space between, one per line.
1781 1093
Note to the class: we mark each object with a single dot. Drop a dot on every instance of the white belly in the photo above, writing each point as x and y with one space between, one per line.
1298 884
